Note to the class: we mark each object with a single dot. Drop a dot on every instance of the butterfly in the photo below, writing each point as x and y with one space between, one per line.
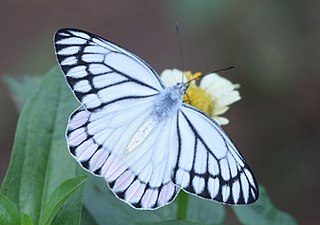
139 135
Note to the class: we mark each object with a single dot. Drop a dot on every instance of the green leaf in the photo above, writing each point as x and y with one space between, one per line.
9 213
26 220
195 209
40 161
22 88
87 218
183 204
102 206
59 197
205 211
262 213
173 222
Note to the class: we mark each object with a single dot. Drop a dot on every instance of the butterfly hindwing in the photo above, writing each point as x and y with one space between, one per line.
208 163
141 178
100 72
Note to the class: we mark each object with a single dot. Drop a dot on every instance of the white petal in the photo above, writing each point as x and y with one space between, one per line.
217 86
214 80
221 120
219 109
229 99
172 76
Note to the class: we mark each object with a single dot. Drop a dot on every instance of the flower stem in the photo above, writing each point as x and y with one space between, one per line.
183 203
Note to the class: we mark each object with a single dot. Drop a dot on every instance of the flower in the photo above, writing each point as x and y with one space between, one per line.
213 96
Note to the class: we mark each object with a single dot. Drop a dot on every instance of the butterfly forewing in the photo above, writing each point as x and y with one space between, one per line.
118 93
100 72
209 165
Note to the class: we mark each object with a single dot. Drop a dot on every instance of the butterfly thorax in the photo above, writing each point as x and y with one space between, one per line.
166 104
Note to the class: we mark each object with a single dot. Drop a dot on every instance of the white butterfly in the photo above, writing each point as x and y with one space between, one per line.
139 135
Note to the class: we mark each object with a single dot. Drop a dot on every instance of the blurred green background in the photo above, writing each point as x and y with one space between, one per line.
273 44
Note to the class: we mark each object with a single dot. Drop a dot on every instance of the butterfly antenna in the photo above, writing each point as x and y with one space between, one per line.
180 51
215 71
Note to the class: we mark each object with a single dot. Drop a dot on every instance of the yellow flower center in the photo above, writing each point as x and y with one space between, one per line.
198 97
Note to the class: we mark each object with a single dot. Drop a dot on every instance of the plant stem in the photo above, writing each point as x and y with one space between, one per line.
183 203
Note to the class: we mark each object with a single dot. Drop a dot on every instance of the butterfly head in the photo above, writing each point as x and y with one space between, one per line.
181 88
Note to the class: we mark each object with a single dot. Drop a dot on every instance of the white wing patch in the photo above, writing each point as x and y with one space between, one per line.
208 164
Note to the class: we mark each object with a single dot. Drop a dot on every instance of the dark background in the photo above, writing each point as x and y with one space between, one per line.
274 45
